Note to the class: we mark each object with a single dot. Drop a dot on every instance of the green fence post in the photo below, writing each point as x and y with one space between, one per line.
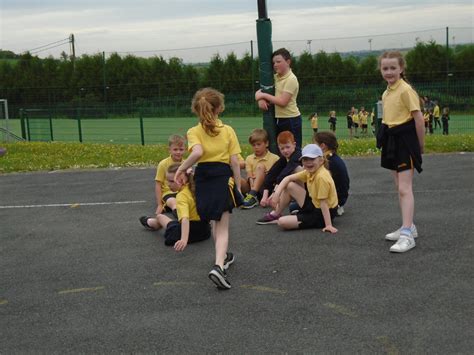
28 128
265 49
79 128
142 131
23 124
51 127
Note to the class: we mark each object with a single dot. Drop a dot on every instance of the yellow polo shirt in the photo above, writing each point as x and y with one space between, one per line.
399 100
320 186
314 122
215 149
252 161
436 111
161 175
186 205
363 118
287 83
355 118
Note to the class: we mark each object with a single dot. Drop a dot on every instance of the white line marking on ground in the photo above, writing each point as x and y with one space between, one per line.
75 204
85 289
414 191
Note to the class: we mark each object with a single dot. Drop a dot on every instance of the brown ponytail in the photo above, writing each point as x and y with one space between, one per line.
207 103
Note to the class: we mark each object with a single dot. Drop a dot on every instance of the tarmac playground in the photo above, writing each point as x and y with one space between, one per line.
78 273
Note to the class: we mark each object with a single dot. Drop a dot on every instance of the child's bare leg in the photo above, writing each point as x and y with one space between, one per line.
296 191
221 237
293 190
406 198
171 203
161 221
244 186
259 178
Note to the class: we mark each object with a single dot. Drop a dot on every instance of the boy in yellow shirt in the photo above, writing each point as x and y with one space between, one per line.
257 166
165 196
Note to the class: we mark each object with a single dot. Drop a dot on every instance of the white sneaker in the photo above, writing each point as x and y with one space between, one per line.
340 210
395 235
403 244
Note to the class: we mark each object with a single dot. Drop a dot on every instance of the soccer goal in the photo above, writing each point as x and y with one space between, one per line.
6 134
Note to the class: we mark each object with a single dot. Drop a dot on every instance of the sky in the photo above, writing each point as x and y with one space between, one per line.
194 30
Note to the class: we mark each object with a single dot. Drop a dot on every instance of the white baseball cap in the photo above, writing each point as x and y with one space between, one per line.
311 151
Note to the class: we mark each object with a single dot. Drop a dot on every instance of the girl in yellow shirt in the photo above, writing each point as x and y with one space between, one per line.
215 149
401 138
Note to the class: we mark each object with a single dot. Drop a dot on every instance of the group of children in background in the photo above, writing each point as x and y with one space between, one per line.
431 116
312 182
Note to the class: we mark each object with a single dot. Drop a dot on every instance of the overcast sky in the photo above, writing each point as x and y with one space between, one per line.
162 27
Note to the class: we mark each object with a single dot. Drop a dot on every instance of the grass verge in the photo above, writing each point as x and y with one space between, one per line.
40 156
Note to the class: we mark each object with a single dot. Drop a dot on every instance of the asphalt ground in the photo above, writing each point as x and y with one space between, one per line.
78 273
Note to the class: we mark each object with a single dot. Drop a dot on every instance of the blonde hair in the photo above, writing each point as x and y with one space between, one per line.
332 113
207 103
258 135
173 168
176 140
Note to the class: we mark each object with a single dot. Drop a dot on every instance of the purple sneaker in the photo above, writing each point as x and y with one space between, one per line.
269 218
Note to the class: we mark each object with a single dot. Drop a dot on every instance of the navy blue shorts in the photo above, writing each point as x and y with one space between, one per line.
198 231
311 217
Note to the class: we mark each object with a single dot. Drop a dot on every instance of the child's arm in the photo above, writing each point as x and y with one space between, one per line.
158 193
281 100
196 153
234 162
420 128
183 242
327 217
264 199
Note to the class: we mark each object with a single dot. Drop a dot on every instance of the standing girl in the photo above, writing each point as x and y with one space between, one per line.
401 138
214 146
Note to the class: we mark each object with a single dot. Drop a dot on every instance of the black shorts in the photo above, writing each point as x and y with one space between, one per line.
356 125
198 231
170 195
311 217
364 126
401 162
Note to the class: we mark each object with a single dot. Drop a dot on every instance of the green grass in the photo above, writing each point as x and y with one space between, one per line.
43 156
157 130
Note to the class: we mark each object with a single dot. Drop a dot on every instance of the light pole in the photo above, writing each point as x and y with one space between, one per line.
309 45
370 44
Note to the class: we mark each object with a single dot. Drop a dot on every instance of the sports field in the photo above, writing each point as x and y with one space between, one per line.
157 130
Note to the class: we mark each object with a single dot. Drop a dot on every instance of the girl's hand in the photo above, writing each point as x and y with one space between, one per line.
180 178
331 229
258 95
180 245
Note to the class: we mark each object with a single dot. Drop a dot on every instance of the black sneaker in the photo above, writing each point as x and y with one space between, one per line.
229 260
144 222
219 277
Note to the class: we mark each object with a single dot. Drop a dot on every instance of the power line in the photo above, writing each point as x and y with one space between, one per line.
65 40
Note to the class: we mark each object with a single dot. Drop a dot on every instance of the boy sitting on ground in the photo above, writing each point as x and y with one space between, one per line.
288 163
257 166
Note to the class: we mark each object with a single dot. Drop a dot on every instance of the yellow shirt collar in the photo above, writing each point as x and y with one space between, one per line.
278 77
395 86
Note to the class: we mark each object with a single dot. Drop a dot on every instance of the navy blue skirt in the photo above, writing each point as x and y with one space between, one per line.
213 195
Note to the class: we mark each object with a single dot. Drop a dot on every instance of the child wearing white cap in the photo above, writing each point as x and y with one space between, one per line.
317 200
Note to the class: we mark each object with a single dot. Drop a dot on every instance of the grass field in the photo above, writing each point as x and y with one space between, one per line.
157 130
